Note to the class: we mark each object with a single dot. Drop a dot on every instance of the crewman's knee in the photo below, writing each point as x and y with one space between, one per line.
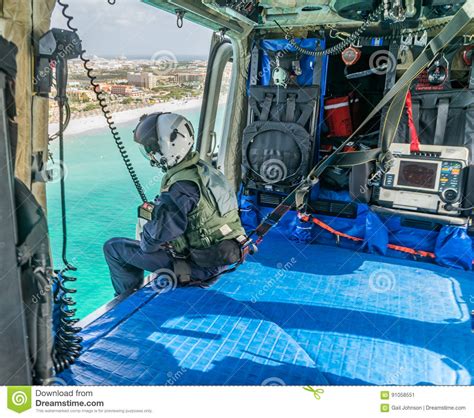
110 248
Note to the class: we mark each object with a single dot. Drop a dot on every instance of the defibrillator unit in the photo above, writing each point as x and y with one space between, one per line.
430 180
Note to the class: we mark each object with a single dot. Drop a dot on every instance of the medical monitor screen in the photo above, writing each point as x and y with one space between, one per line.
417 174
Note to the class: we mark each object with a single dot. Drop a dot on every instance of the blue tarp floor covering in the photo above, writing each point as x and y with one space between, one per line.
294 314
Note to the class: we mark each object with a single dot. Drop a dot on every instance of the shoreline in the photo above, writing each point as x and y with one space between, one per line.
97 121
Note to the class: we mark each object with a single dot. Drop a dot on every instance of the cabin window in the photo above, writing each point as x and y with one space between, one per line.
224 99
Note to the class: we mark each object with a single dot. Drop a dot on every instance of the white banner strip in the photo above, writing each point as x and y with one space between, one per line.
239 402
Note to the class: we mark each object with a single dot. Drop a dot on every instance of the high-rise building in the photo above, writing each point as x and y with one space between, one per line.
135 79
145 79
184 78
123 90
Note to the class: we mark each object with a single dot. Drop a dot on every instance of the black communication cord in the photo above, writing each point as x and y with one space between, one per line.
450 206
104 106
67 342
67 119
68 265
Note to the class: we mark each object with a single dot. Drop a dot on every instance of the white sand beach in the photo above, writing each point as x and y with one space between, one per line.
97 121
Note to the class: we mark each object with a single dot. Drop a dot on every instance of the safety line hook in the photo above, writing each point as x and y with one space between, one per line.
221 33
180 17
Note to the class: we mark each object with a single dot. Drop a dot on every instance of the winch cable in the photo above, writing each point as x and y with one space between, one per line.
398 92
104 106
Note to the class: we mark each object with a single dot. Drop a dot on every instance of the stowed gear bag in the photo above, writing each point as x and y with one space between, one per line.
278 142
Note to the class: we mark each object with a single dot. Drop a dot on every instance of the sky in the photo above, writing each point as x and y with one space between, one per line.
132 28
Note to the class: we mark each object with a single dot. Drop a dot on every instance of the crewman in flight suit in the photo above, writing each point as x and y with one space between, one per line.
195 230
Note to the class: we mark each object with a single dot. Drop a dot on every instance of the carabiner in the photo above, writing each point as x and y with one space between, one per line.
334 33
180 17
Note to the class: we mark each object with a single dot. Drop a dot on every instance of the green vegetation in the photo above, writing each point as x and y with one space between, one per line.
82 98
90 106
127 100
183 92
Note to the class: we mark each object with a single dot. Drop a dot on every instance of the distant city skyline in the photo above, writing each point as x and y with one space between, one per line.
180 57
133 29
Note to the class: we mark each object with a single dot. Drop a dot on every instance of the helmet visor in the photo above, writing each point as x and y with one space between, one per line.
145 151
150 155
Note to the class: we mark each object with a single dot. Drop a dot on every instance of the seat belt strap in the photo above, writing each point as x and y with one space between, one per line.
271 220
290 108
441 121
412 131
350 159
266 107
392 119
254 66
254 107
307 111
182 270
416 105
471 74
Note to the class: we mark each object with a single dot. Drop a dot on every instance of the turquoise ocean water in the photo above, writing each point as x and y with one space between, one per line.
101 203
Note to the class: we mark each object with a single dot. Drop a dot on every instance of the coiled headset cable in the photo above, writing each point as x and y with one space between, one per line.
67 342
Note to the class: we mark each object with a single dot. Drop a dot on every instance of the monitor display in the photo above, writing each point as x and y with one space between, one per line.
418 174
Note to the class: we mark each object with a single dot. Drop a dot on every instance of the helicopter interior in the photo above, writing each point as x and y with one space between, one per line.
374 254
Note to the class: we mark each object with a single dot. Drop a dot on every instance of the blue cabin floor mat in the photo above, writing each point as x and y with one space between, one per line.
293 314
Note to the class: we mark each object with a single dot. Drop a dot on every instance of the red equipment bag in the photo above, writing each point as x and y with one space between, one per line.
338 116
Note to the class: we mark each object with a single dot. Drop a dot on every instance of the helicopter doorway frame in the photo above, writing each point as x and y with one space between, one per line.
221 53
14 353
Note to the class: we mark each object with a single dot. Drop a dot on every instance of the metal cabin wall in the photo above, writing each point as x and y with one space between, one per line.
23 21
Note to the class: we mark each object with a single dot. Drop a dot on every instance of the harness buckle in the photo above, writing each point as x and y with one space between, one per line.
247 247
168 247
182 270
